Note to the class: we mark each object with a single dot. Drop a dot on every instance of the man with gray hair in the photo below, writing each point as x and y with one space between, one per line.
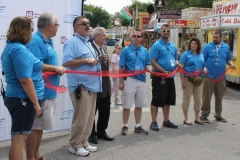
41 46
78 54
104 97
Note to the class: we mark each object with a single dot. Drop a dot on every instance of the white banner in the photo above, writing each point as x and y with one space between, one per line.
65 11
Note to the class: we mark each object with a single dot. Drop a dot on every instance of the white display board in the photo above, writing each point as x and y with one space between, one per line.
65 11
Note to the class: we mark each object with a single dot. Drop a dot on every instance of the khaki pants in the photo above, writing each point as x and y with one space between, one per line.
208 89
82 122
190 90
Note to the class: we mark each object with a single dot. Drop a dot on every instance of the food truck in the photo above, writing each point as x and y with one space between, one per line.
226 16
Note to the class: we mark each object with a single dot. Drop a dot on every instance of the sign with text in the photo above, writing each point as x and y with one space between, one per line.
210 22
170 17
232 21
230 7
170 12
195 13
221 21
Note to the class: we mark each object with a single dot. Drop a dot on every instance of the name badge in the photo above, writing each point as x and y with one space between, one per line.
137 68
172 63
217 61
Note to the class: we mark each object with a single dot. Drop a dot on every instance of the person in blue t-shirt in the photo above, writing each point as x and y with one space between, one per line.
133 58
79 55
25 86
164 59
192 61
216 55
41 45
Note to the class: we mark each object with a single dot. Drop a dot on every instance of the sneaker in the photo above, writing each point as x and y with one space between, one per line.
220 118
154 126
204 119
80 151
140 130
90 148
124 130
169 124
118 103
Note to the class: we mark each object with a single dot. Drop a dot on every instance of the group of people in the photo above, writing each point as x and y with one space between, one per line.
30 104
26 56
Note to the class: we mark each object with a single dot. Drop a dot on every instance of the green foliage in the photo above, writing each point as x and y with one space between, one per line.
99 16
175 4
142 6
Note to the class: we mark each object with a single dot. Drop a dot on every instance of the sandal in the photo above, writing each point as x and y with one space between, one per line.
199 122
42 158
184 122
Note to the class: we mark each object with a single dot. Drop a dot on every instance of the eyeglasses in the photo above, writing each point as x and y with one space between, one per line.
84 24
57 24
119 48
164 31
134 36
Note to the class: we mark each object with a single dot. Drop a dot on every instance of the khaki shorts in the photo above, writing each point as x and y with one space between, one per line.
45 122
134 90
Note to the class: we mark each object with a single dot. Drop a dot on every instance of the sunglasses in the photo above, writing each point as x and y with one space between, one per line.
164 31
134 36
84 24
57 24
119 48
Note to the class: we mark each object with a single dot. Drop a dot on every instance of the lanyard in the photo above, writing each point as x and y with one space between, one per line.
94 55
217 49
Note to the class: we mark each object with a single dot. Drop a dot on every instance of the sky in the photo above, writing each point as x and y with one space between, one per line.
112 6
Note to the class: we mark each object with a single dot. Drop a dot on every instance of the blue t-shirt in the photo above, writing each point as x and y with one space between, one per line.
45 52
165 55
131 57
216 59
78 47
192 62
18 63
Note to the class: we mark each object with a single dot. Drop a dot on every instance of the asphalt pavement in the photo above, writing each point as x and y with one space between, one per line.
213 141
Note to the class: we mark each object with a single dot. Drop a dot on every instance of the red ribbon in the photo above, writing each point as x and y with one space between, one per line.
121 74
196 73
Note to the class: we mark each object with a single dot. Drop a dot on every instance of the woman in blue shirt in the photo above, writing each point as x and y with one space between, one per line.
192 61
25 86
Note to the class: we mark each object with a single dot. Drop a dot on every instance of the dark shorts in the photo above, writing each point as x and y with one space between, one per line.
163 94
22 116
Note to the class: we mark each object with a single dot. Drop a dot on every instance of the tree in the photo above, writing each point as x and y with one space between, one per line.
182 4
99 16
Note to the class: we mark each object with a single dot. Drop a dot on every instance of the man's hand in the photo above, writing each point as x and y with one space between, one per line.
103 57
233 66
94 62
149 68
205 70
179 65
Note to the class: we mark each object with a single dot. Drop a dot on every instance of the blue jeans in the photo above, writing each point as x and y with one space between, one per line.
22 115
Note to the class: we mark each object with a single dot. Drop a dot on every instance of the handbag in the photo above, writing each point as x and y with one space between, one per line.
196 81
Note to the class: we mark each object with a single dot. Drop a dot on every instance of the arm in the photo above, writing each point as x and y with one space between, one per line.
113 66
79 62
48 68
121 85
28 87
229 62
157 67
183 82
